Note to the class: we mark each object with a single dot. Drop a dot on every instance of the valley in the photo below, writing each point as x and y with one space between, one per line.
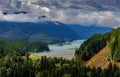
59 38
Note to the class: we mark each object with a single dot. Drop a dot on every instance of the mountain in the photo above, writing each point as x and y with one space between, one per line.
48 31
51 32
85 32
99 50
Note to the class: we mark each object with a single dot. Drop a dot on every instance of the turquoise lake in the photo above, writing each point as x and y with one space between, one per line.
72 45
66 50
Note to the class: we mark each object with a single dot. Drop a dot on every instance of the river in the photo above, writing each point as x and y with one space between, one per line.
66 50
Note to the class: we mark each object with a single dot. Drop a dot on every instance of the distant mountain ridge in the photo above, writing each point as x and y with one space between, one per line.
44 31
85 32
48 31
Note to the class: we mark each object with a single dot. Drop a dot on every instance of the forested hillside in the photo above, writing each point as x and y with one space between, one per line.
97 42
21 48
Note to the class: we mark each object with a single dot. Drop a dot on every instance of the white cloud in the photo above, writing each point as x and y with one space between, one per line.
70 16
98 18
45 9
18 17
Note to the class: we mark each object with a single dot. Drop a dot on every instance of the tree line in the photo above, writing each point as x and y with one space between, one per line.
16 66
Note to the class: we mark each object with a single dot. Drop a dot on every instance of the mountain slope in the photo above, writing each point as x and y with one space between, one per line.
99 50
48 31
100 59
87 31
51 32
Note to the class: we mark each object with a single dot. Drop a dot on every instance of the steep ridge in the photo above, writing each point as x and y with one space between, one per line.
97 42
96 56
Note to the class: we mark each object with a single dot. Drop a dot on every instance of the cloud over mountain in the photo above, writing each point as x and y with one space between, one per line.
85 12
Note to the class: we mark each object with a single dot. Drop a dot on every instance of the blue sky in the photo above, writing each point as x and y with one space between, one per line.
84 12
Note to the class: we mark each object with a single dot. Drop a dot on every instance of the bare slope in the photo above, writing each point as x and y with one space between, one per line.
32 56
100 59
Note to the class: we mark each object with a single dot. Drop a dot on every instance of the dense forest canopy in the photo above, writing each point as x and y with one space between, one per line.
20 48
14 66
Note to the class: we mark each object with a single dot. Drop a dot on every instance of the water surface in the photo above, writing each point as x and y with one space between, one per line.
66 51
